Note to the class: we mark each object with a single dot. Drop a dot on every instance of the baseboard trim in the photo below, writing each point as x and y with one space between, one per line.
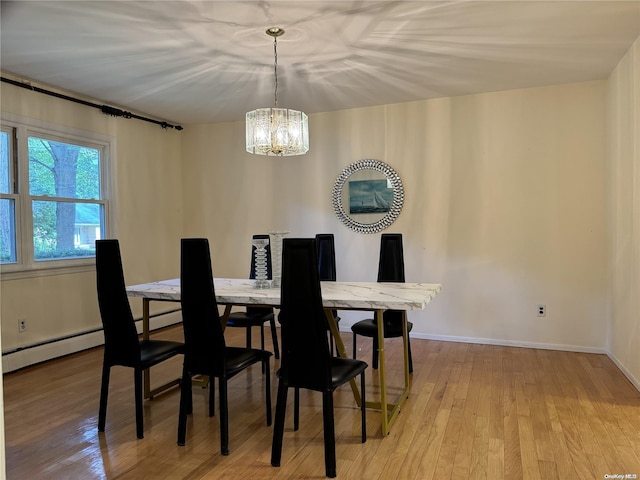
34 354
634 381
512 343
502 342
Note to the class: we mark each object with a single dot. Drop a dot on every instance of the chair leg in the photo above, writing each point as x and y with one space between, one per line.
185 405
329 435
274 337
374 362
363 408
224 417
137 374
248 334
212 396
278 428
296 409
354 345
266 365
189 393
104 394
262 342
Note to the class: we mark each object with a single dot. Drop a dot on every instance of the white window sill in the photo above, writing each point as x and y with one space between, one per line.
45 272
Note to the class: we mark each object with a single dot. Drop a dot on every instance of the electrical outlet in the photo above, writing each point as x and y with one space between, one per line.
22 325
542 310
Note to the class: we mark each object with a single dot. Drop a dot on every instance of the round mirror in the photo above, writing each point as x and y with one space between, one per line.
368 196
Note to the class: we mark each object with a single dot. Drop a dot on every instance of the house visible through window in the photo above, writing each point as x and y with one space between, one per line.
53 198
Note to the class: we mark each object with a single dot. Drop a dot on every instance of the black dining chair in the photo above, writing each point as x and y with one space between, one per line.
257 316
306 361
205 350
390 269
121 344
327 268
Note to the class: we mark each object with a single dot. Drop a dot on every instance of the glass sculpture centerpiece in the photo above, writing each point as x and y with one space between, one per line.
276 257
262 280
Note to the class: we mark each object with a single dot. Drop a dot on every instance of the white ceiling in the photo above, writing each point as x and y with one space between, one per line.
207 61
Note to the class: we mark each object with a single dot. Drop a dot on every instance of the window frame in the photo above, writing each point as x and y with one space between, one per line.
14 189
26 265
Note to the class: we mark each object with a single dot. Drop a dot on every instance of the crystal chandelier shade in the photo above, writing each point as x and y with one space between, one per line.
277 131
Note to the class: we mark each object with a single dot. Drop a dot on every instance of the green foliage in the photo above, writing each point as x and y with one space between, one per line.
63 170
69 172
61 254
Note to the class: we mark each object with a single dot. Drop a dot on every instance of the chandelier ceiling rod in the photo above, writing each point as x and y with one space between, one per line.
275 36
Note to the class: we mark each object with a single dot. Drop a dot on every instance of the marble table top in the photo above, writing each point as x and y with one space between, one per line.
338 295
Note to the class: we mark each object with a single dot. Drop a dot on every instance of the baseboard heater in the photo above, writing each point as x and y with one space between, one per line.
26 356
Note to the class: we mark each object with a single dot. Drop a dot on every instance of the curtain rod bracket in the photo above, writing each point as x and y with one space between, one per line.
115 112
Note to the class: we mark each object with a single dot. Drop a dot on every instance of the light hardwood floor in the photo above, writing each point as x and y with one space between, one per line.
475 411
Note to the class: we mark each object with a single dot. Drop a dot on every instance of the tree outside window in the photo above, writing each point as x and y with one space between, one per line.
53 204
63 177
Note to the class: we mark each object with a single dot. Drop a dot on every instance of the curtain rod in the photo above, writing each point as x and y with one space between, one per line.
106 109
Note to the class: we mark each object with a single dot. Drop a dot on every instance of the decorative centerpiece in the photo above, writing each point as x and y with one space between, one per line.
276 257
261 262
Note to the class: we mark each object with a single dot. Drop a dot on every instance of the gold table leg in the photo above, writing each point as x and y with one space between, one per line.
201 381
146 374
383 378
225 316
389 411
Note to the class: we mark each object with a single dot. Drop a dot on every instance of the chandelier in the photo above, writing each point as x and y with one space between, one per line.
277 131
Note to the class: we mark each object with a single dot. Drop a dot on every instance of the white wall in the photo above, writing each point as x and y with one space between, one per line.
505 206
624 213
148 199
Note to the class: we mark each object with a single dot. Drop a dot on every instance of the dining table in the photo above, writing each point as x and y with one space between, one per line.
364 296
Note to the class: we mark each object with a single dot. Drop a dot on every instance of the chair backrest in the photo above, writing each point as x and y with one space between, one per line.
252 273
326 256
391 267
203 336
120 336
306 361
391 264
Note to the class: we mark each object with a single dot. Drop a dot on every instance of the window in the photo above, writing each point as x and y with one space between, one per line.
53 198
